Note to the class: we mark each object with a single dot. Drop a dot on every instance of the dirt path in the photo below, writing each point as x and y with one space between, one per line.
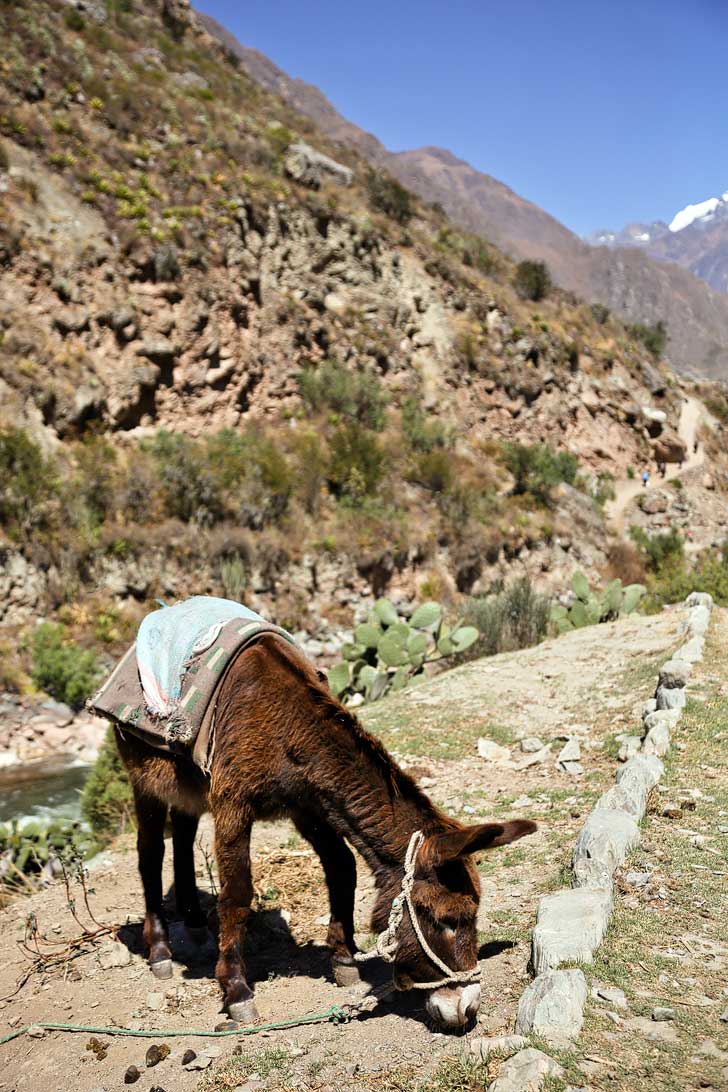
627 490
564 688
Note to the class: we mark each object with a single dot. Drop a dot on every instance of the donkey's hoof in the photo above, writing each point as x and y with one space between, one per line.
346 974
243 1012
162 968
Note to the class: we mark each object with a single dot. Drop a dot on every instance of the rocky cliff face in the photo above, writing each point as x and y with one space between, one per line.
637 288
181 253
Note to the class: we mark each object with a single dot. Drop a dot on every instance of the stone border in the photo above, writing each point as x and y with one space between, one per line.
571 923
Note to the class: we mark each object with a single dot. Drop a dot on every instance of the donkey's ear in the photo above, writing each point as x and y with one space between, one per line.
440 848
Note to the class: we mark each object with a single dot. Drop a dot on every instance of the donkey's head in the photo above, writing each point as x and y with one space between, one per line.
445 895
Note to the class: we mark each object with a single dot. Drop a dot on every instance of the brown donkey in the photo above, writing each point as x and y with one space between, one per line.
285 746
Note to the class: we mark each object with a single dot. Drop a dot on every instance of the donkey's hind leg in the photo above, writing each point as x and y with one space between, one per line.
184 829
232 850
151 817
340 870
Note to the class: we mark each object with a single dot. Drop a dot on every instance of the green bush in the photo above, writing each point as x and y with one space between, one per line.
422 431
388 196
356 464
434 470
654 338
357 395
538 469
532 280
601 313
29 484
509 618
63 669
660 550
107 801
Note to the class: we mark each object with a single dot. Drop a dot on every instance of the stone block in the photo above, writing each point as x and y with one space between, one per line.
552 1007
603 843
569 927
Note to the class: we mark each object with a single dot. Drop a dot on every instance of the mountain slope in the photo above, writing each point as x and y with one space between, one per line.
630 283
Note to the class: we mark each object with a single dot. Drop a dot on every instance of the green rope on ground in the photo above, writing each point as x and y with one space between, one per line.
336 1014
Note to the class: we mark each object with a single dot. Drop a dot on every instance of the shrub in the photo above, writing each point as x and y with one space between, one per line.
107 801
4 157
356 463
538 469
28 484
601 313
654 338
660 550
532 280
190 489
434 470
589 607
357 395
63 669
388 196
423 432
74 20
509 618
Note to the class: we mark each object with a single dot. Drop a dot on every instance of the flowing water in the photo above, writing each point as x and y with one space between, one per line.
49 789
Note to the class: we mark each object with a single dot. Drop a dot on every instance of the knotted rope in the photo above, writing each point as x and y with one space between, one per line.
387 943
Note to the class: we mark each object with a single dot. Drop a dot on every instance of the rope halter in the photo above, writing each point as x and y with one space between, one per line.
387 943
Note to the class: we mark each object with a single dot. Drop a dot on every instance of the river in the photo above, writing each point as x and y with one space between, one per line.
42 790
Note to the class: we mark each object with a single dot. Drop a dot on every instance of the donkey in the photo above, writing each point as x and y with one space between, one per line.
285 746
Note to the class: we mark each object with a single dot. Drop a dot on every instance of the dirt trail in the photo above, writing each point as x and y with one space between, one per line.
566 687
627 490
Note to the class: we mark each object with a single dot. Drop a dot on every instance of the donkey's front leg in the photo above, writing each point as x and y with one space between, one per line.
232 849
151 817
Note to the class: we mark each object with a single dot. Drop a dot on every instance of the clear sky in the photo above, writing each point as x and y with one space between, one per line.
602 112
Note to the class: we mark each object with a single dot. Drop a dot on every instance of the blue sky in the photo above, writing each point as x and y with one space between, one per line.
600 112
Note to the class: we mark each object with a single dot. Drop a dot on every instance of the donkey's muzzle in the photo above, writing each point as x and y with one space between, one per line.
454 1006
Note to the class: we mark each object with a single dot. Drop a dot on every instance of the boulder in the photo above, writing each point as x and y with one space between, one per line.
552 1007
675 673
602 845
670 698
525 1072
305 165
654 502
570 926
669 449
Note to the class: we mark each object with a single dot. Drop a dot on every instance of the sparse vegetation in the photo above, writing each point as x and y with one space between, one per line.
389 196
653 337
60 667
107 802
538 469
512 616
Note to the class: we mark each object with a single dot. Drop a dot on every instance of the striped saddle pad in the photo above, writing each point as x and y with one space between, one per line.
189 728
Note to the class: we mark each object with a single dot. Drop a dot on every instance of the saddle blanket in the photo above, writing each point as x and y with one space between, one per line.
163 688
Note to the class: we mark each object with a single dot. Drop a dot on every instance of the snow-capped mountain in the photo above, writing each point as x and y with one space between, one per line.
696 237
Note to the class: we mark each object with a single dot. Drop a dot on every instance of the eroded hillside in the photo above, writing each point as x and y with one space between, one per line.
227 367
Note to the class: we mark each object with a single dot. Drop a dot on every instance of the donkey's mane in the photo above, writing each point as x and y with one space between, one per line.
400 783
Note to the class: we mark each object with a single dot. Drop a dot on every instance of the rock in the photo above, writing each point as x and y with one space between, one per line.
525 1072
569 927
724 1016
531 744
675 673
628 748
648 706
35 1031
652 503
305 165
661 1013
493 752
200 1061
692 650
642 769
156 1054
698 620
160 350
570 752
637 879
114 955
654 416
536 758
482 1047
657 1032
155 1002
670 698
611 994
188 1056
602 845
552 1007
71 321
699 599
657 740
132 1075
191 80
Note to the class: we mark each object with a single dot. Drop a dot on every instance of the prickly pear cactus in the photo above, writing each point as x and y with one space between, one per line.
589 607
389 651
